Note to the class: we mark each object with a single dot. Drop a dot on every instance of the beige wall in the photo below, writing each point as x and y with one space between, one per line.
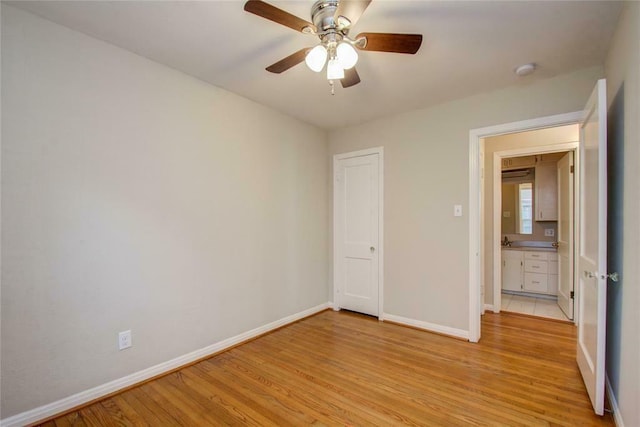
136 197
426 269
541 138
623 351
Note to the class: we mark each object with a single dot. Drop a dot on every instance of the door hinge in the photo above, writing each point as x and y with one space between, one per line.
571 295
571 168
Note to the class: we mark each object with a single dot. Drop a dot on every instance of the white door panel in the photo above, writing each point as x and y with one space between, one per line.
565 234
356 230
592 244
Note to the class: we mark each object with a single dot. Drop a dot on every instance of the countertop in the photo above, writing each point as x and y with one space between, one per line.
529 249
530 245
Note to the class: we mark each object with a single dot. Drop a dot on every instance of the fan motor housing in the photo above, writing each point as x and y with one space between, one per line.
323 15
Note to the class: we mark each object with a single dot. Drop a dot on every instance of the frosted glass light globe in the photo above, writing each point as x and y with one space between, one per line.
335 70
316 57
347 55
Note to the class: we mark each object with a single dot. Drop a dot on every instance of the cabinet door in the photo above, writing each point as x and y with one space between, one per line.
524 162
546 196
512 265
552 284
518 162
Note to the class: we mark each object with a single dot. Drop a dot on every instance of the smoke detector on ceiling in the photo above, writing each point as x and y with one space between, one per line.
525 70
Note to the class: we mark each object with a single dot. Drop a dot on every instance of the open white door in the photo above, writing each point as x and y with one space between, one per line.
565 234
592 246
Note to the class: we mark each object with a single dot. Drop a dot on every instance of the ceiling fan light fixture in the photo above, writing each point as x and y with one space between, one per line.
347 55
335 70
316 58
331 22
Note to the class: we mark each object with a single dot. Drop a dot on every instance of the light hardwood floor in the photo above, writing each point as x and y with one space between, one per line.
341 368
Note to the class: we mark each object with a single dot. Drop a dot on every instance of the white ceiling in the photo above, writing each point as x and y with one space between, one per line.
468 47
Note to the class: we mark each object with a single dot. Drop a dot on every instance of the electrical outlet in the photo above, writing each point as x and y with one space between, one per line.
548 232
124 340
457 210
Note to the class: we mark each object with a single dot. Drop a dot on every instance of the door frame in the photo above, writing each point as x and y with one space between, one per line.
497 204
476 170
380 249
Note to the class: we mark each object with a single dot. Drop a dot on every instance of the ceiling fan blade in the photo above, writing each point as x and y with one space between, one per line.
288 62
388 42
272 13
352 9
351 78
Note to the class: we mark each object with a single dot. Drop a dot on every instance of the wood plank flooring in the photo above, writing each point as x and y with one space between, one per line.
341 368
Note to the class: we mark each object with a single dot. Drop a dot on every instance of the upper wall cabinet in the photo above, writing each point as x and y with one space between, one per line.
546 194
518 162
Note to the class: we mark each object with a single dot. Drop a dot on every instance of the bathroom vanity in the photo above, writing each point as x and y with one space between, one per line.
530 269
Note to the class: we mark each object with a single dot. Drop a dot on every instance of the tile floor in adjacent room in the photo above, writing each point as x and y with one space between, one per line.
542 307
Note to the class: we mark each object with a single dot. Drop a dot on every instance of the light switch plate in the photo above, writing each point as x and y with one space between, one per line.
457 210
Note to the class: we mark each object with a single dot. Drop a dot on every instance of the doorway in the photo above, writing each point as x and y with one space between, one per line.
358 231
479 235
533 262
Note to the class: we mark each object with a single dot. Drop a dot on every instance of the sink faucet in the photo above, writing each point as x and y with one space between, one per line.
506 241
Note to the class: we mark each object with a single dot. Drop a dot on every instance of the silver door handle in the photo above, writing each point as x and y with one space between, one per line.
372 249
613 276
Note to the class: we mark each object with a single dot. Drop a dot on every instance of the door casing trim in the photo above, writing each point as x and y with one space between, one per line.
475 215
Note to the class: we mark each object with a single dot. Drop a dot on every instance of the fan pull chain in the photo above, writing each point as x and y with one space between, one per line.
333 92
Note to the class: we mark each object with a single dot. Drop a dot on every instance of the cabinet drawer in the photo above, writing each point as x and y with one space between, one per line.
535 282
535 255
535 266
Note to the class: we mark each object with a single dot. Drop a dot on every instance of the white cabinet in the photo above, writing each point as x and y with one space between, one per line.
552 285
530 271
536 267
535 282
518 162
512 263
546 192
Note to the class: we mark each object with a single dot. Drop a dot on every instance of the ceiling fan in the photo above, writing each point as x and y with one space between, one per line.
332 20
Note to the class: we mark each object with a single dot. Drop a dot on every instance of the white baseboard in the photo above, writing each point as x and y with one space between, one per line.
617 418
431 327
83 397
